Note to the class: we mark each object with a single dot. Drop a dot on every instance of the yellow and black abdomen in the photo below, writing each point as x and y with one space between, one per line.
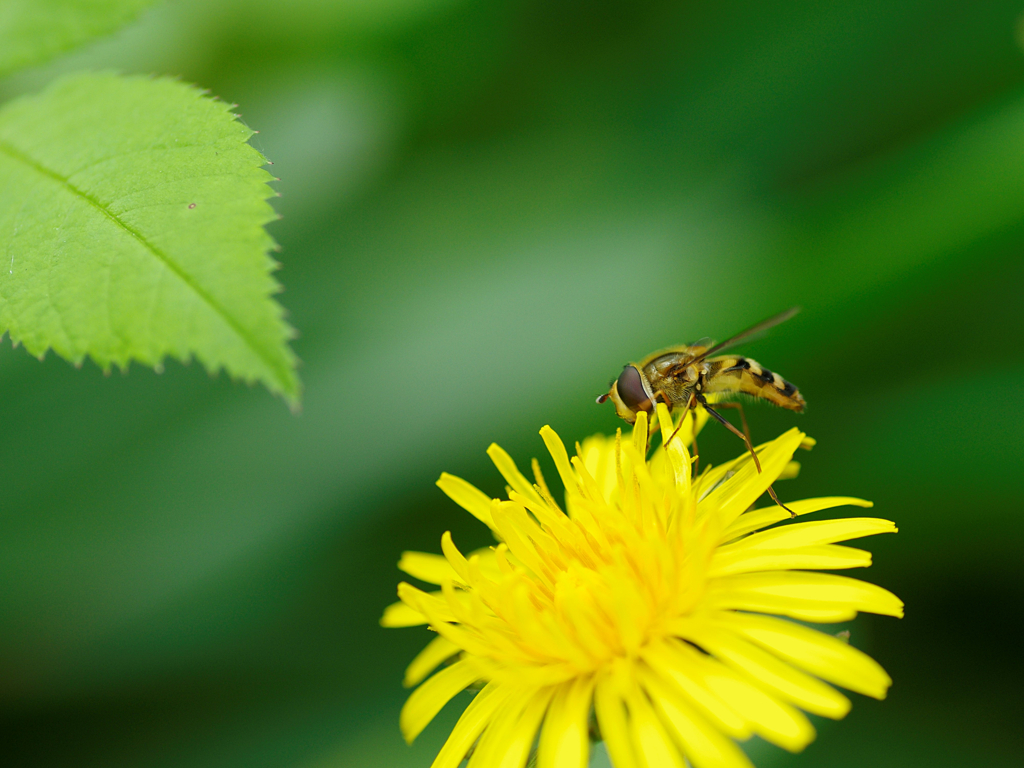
730 373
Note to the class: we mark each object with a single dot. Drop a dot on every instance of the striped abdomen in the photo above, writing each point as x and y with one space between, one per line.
730 373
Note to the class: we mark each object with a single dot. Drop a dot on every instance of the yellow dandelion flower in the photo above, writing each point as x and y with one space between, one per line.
640 613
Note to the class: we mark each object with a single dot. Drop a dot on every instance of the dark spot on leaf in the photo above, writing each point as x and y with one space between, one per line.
191 206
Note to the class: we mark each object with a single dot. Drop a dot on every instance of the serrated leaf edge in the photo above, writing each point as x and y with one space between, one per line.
287 384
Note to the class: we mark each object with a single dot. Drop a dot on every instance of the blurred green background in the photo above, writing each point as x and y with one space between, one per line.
488 207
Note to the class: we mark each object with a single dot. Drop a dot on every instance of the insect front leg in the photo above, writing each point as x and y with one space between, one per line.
686 411
696 454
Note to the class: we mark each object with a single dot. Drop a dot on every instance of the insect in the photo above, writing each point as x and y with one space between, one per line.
683 377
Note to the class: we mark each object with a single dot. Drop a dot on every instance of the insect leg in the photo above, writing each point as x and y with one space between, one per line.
696 455
728 425
690 411
743 417
746 439
771 492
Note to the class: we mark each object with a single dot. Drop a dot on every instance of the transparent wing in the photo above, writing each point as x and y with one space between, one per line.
753 332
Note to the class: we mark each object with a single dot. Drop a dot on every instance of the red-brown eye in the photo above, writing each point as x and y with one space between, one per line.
631 390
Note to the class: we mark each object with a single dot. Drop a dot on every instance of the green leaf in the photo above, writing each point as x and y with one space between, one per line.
131 228
32 31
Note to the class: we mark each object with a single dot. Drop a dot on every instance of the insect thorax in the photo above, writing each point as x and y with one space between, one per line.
673 381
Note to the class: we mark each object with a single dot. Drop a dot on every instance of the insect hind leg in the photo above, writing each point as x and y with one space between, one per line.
743 417
728 425
745 437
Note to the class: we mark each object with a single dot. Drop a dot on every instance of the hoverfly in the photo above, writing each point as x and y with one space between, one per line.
683 376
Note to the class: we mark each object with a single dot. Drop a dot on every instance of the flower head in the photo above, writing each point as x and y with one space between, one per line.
639 613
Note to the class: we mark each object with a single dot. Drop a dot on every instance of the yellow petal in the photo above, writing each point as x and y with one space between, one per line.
430 604
735 494
641 433
771 673
512 475
790 471
675 448
587 484
473 721
507 740
814 532
520 737
463 604
436 651
703 744
486 562
467 496
679 669
556 448
802 610
817 590
692 422
402 615
564 739
770 719
761 518
426 566
712 478
439 615
455 559
610 710
826 656
653 743
598 456
427 700
506 516
826 557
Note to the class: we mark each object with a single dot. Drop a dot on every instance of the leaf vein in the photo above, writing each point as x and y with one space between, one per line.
18 156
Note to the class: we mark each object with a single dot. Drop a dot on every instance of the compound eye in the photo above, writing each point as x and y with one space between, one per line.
631 390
